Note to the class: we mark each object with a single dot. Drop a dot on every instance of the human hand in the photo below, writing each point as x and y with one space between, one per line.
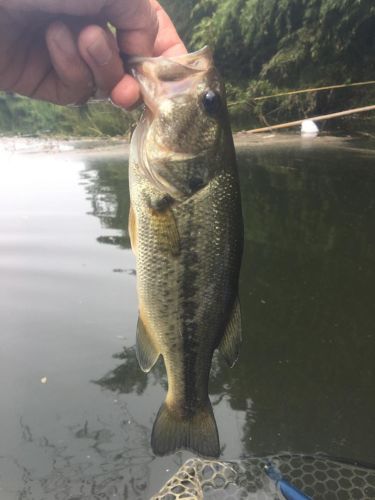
62 51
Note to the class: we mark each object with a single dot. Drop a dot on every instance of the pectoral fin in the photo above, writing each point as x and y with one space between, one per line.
147 354
167 230
230 343
132 229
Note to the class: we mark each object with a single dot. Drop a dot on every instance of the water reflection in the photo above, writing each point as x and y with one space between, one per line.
107 187
304 381
304 378
127 378
308 280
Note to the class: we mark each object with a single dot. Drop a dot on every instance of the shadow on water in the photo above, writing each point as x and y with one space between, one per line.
306 374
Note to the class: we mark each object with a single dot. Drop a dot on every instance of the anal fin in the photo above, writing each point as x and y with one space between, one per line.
147 354
230 343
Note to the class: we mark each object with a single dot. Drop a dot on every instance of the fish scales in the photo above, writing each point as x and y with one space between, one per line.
188 250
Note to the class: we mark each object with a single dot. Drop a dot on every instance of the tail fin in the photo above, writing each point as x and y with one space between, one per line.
197 433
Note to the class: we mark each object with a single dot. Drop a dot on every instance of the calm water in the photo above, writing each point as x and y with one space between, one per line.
76 411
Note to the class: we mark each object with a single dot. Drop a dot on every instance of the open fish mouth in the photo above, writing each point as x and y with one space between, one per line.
185 64
164 77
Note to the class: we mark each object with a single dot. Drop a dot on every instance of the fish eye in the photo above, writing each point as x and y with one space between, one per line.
211 102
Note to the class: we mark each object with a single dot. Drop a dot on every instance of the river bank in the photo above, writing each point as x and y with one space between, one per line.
118 146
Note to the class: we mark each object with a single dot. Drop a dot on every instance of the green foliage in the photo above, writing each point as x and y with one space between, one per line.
274 38
23 116
261 47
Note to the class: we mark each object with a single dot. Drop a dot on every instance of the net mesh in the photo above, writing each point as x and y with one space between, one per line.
319 477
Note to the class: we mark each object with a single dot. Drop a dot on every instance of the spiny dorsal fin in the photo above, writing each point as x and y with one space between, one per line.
147 354
132 229
230 343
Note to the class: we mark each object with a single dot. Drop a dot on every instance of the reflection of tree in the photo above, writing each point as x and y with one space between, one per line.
128 377
107 187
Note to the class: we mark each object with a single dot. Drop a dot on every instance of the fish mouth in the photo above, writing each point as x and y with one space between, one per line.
198 61
164 77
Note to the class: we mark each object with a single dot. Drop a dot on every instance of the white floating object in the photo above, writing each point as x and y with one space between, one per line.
43 380
309 127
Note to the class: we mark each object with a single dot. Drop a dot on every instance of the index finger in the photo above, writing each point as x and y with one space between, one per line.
144 28
168 42
136 23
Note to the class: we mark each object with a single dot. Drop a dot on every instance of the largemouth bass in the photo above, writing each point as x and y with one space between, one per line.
185 226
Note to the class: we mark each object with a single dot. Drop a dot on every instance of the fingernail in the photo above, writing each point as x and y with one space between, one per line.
61 37
100 51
